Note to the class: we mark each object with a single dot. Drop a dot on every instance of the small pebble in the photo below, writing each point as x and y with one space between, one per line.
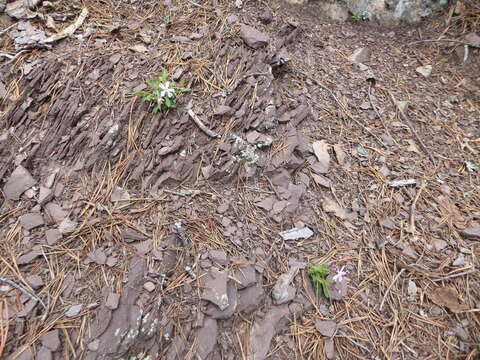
149 286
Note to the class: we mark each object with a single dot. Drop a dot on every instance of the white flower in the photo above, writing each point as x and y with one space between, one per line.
166 91
340 274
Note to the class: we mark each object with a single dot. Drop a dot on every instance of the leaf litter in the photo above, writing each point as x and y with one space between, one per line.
120 177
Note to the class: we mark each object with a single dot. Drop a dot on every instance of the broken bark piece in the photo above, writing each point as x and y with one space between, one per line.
295 233
31 221
51 340
45 195
327 328
215 288
472 232
219 257
214 311
130 235
98 257
252 37
207 338
282 291
53 236
250 298
112 301
245 276
35 282
19 181
56 212
29 257
264 330
320 148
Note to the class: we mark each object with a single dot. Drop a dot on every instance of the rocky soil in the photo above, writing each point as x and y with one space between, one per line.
188 234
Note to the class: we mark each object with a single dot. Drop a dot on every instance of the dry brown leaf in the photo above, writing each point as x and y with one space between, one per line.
320 148
322 180
450 211
448 297
341 155
330 205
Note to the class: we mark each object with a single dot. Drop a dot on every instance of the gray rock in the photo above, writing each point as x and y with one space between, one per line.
246 276
29 257
112 301
439 245
327 328
215 288
252 37
67 226
472 232
31 221
295 233
223 110
45 195
53 236
35 281
388 223
412 288
250 298
283 291
74 311
473 39
460 261
207 338
394 11
44 354
215 313
265 329
424 70
265 16
360 56
51 340
19 181
219 257
56 212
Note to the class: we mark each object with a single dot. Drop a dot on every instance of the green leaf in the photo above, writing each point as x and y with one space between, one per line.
168 102
164 75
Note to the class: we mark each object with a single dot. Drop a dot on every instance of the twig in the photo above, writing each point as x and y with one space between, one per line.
7 28
378 113
363 347
390 287
412 129
412 208
344 109
201 125
246 76
69 30
273 187
178 193
23 290
468 272
182 235
446 40
12 58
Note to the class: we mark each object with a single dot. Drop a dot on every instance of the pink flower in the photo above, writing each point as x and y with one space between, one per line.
340 274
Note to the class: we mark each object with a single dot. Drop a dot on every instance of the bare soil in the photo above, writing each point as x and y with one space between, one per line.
131 235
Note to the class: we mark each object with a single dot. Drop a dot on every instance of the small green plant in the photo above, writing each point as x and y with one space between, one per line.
356 17
318 276
163 93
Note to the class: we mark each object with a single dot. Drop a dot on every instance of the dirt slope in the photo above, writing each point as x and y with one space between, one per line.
128 234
